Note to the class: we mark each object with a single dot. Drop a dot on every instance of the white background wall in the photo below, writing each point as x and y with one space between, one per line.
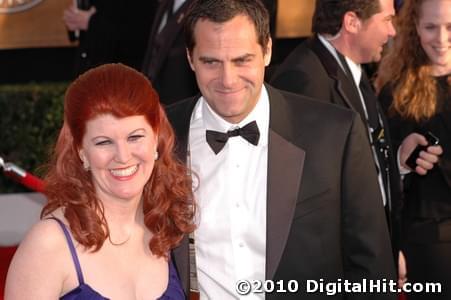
18 212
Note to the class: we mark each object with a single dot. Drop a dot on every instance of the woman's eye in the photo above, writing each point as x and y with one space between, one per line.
103 143
135 137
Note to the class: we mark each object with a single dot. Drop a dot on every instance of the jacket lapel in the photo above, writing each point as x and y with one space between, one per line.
285 165
345 88
168 34
180 116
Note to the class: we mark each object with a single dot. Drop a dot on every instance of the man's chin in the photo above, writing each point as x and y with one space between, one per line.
376 58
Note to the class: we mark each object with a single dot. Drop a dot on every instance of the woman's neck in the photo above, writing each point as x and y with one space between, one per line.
124 219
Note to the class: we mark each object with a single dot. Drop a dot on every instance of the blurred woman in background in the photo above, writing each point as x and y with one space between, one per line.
414 80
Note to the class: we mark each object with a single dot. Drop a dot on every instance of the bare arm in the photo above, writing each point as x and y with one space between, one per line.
37 269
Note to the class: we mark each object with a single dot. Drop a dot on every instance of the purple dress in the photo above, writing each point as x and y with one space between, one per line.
83 291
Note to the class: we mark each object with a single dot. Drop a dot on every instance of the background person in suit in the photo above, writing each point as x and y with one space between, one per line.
283 195
110 31
328 67
165 62
416 92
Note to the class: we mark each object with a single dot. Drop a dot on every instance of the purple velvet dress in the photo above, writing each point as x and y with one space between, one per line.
83 291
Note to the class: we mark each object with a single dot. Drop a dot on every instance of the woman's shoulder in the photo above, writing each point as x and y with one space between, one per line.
46 237
43 253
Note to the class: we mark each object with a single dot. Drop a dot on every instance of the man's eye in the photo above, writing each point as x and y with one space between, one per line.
210 62
243 61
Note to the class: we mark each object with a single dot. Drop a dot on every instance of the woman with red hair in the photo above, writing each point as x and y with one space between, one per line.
118 200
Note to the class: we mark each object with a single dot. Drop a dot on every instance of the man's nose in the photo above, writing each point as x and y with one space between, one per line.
391 30
229 75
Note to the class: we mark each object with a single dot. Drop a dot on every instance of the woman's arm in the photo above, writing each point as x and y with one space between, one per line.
37 268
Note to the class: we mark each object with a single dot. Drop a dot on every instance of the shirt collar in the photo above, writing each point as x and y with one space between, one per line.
356 69
260 113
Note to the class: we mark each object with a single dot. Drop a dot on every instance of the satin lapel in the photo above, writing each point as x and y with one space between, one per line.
345 88
158 17
285 165
153 31
179 115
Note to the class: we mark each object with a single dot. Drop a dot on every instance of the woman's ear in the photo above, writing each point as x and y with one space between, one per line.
83 159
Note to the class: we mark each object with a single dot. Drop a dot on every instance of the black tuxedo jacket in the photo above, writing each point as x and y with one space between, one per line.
325 218
165 62
311 70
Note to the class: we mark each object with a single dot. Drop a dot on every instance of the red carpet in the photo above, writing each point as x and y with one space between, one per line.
6 254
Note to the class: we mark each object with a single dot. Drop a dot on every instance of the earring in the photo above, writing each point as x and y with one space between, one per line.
156 154
86 165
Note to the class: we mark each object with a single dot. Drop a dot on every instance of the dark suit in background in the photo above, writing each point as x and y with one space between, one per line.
117 32
322 197
312 70
165 63
271 6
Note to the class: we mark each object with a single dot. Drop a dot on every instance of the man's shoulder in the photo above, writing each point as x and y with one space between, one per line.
305 105
302 54
181 107
302 71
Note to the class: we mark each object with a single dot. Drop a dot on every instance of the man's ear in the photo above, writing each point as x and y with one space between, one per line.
267 54
190 61
351 22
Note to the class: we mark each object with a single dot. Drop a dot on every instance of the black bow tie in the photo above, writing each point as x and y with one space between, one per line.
217 140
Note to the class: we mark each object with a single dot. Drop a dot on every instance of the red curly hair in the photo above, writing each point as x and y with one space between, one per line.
168 204
407 68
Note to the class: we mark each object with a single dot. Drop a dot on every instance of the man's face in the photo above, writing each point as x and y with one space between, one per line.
374 34
230 65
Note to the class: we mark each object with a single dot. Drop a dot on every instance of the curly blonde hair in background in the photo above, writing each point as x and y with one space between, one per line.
407 68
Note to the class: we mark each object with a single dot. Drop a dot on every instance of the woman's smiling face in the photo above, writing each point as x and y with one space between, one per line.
120 154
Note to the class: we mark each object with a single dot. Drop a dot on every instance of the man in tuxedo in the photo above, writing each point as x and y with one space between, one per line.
281 193
327 67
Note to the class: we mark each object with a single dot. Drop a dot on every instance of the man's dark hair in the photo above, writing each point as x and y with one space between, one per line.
328 15
221 11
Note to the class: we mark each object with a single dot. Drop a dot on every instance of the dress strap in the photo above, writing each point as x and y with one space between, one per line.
73 252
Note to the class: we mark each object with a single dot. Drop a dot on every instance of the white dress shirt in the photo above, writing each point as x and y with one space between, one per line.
230 241
356 71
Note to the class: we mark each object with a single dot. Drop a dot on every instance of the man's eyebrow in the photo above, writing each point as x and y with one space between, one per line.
243 57
207 58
